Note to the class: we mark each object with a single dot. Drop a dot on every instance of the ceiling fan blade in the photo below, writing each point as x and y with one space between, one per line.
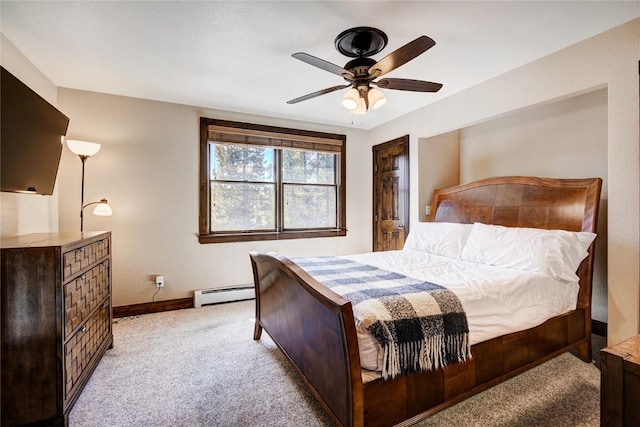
324 65
408 84
401 56
317 93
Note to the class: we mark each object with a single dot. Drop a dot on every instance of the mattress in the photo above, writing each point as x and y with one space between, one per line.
497 301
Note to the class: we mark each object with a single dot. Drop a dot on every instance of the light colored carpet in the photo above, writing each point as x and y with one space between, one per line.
201 367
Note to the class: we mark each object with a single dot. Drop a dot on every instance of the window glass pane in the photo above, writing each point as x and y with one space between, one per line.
308 167
309 206
240 163
242 206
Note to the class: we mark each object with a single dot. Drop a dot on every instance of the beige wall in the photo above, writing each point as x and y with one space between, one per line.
563 139
438 167
148 170
27 213
609 60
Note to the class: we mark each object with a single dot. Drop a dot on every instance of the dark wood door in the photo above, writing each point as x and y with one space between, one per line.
390 194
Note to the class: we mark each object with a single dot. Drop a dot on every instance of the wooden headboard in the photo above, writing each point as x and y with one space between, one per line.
522 201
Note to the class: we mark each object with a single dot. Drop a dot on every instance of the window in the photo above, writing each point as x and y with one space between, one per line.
265 183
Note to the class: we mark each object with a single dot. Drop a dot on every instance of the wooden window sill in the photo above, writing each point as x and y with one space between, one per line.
248 237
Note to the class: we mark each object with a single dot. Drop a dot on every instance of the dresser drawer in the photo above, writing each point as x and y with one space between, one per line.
83 257
84 346
83 294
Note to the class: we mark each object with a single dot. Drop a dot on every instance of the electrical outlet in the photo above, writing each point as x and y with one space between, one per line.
160 281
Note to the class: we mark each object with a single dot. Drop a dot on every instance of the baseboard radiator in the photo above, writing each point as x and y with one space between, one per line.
214 296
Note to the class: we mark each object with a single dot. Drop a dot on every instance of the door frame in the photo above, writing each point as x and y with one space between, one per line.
402 140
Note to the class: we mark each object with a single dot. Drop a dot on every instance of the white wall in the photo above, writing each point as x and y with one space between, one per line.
27 213
148 170
608 60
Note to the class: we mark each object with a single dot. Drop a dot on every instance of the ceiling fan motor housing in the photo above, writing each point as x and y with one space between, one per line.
359 67
361 42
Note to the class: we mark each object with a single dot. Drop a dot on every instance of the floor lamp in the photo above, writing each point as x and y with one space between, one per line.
84 150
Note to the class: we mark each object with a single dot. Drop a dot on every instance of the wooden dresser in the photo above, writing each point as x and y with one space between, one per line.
620 385
56 322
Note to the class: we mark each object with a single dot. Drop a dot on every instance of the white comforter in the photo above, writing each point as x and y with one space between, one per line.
497 301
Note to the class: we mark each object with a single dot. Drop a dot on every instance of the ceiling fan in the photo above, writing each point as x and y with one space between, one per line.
361 73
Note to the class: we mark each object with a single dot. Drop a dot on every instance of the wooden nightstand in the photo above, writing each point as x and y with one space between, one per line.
620 384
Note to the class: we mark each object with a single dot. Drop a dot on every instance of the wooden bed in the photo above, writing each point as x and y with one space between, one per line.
315 329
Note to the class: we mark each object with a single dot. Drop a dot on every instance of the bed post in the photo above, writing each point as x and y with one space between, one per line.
257 327
585 271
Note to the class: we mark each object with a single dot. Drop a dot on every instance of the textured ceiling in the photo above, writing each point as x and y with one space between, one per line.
236 55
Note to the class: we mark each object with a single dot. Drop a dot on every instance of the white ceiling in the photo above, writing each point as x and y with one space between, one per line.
236 55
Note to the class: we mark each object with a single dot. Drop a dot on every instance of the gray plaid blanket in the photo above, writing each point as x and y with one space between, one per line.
419 325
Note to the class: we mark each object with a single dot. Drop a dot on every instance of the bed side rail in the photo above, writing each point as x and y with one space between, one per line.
314 328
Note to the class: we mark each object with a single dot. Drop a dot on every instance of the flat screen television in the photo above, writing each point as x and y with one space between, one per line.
31 132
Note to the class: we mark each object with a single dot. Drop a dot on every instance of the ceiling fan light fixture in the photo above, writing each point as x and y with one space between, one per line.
376 98
354 101
351 99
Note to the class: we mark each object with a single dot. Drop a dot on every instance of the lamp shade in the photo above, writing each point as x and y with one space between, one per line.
83 148
351 99
376 98
103 208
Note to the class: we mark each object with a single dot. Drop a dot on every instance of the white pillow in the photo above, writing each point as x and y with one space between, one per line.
439 238
556 253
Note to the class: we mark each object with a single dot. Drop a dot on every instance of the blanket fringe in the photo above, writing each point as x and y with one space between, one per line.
431 353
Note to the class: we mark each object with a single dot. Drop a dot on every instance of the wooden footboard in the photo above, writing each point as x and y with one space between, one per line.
314 328
407 400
